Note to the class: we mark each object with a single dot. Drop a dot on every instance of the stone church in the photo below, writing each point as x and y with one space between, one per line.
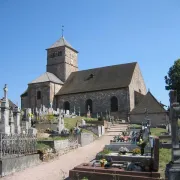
116 89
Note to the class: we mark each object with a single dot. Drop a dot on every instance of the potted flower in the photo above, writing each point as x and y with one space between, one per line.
136 151
103 162
142 144
123 150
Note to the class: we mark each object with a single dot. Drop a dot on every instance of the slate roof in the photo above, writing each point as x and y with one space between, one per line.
104 78
47 77
11 104
149 102
61 42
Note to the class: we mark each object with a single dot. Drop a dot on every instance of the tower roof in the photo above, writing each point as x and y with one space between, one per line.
47 77
61 42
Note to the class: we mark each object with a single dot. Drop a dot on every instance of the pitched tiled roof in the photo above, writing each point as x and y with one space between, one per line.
149 102
11 104
110 77
61 42
47 77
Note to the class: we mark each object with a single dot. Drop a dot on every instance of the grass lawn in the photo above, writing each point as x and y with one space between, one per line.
157 131
135 126
71 122
42 146
164 158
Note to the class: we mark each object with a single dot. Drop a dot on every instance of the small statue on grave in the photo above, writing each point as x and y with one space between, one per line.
5 91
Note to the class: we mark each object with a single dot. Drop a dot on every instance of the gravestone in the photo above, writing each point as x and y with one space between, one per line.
79 111
86 138
102 130
99 131
28 120
83 122
89 112
67 112
4 125
11 121
60 123
17 115
173 168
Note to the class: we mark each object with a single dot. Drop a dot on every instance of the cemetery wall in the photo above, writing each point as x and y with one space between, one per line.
101 101
156 118
57 145
86 138
137 84
14 164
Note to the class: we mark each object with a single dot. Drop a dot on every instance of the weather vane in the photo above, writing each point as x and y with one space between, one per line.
62 30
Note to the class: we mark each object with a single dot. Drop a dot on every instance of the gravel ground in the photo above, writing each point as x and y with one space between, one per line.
53 170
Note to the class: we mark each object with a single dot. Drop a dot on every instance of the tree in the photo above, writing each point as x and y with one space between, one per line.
172 80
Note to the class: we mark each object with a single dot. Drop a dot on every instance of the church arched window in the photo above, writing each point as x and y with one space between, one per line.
66 105
39 95
89 104
114 104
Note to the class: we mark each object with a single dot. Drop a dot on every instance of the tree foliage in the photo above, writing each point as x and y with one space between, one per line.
172 79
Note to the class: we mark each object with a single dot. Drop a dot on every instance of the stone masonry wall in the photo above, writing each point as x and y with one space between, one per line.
71 60
48 90
101 101
137 84
62 66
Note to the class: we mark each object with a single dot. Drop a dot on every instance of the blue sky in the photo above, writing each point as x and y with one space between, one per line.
105 32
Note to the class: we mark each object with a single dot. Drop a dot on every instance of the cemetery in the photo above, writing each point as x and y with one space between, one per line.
137 153
22 145
29 137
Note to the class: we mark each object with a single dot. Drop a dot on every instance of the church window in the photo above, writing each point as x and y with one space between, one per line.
114 104
66 105
60 53
89 104
39 95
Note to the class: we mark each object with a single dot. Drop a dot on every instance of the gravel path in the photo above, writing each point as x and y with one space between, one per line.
53 169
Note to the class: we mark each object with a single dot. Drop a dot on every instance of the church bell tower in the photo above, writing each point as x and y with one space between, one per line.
62 59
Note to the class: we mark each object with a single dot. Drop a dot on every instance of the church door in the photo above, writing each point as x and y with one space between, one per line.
89 103
114 104
66 106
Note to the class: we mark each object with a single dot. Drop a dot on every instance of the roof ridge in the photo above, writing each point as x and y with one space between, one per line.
107 66
48 76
